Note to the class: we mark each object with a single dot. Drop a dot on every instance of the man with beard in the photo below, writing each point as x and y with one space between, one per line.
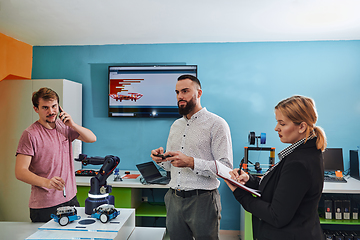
195 141
44 156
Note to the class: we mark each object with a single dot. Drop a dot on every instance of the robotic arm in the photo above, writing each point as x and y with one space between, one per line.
98 184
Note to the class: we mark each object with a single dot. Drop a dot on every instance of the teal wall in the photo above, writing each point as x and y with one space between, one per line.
242 82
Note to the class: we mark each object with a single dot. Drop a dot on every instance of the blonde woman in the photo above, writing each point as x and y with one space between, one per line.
291 190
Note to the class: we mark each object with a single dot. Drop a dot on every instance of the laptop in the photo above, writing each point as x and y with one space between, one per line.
151 173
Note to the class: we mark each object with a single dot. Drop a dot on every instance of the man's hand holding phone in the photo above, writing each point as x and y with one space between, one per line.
65 117
158 155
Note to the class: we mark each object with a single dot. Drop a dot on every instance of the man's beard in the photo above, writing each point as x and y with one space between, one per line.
188 107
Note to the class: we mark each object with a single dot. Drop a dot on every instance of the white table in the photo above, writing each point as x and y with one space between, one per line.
352 186
120 228
18 230
147 233
22 230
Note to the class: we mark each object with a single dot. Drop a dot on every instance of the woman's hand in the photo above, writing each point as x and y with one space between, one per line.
242 178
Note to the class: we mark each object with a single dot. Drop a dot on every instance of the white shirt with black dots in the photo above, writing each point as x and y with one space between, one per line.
205 137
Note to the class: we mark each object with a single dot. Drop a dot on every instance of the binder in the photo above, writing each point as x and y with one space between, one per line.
223 172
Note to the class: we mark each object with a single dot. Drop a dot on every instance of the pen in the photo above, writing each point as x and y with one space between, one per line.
241 163
64 192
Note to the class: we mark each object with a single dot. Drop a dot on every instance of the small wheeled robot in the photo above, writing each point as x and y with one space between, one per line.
105 213
64 215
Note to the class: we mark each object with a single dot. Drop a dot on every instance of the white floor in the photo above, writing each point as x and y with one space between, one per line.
224 235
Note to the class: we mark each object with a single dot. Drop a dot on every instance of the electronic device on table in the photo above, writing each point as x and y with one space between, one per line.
354 164
145 90
105 213
99 190
86 173
151 173
333 162
65 215
252 138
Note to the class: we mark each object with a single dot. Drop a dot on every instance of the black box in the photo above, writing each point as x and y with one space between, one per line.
355 209
338 209
328 204
346 205
355 213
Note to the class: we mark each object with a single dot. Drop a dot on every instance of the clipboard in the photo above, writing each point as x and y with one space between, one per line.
223 172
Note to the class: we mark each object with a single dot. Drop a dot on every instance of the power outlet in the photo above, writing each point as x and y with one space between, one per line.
144 199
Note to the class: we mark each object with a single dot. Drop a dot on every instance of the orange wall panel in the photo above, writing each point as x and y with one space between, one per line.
15 58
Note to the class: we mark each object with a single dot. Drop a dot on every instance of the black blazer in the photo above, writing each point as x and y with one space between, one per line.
288 206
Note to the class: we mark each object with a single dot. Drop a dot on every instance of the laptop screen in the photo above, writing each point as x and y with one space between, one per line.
148 170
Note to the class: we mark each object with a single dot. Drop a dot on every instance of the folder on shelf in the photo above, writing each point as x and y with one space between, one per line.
223 172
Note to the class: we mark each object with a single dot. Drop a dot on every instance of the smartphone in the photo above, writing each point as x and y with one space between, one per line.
162 156
60 111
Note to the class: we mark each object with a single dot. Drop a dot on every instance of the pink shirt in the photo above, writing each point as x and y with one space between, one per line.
52 155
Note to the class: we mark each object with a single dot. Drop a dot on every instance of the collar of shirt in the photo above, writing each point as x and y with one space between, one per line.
285 152
196 115
292 147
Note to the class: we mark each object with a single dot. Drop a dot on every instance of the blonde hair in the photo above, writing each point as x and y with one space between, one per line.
302 109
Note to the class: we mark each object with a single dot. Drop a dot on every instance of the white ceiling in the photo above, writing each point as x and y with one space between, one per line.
98 22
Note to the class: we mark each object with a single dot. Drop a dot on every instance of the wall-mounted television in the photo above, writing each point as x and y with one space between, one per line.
145 91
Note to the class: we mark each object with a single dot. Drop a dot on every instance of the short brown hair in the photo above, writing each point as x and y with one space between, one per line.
44 93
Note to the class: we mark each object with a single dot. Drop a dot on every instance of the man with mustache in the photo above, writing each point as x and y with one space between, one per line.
195 141
44 157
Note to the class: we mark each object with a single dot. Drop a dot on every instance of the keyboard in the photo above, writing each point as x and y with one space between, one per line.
341 235
334 179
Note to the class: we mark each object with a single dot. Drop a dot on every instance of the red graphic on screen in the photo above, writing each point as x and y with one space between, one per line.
130 96
118 85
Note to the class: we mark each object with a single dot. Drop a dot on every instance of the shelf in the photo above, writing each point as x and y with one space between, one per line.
152 209
342 222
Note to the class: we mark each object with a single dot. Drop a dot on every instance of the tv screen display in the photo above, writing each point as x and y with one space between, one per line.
145 91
